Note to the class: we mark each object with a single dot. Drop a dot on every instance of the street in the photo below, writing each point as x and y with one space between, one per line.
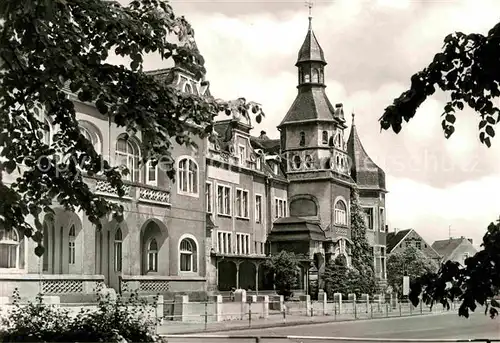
444 326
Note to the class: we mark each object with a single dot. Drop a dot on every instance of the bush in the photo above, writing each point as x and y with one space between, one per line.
113 321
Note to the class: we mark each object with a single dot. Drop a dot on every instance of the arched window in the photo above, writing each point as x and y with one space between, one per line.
340 213
187 255
153 256
187 176
308 161
9 248
307 77
71 244
188 88
302 138
321 76
127 155
324 137
118 250
315 76
297 162
91 136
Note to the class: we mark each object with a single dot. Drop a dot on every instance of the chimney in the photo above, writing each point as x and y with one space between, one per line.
396 230
263 135
470 240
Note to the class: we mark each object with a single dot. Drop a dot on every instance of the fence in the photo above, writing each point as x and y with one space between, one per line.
182 315
304 339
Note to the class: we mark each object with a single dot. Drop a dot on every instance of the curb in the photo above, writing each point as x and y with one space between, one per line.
296 323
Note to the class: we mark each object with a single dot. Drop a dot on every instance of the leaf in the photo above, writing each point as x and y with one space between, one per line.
10 166
450 118
490 131
39 250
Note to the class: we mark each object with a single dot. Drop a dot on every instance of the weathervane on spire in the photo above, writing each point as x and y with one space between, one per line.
310 5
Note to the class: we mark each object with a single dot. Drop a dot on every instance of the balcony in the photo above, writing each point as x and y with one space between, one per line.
134 192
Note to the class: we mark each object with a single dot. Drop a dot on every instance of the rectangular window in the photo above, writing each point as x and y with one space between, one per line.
242 244
280 208
418 245
224 242
258 208
368 217
208 196
241 203
258 165
242 154
224 200
151 174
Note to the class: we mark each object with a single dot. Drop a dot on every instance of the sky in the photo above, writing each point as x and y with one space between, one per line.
436 186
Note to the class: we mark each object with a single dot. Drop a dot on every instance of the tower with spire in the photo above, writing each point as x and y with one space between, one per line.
321 169
317 165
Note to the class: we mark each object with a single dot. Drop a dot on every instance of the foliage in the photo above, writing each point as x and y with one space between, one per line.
113 321
361 252
50 46
411 262
336 277
466 68
284 266
476 283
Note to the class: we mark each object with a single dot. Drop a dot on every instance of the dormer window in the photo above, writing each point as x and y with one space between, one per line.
188 88
302 141
324 137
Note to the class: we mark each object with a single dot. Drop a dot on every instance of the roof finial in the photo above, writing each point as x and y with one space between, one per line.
310 4
353 115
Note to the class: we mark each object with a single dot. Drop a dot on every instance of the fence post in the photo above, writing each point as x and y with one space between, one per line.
386 309
206 316
421 300
355 310
400 314
335 311
284 313
250 314
371 310
411 305
312 313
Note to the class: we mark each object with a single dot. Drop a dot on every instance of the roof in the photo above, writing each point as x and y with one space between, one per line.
446 247
270 146
310 50
394 238
296 229
363 170
310 104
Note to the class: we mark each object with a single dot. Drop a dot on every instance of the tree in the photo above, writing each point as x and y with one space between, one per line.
410 262
476 283
285 267
336 277
467 69
361 252
48 45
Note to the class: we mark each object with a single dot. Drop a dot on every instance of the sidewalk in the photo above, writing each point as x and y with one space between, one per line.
276 320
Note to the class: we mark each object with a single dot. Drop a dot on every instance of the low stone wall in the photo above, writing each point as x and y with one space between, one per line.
30 285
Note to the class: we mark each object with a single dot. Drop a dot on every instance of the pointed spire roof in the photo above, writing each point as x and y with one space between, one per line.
311 50
363 170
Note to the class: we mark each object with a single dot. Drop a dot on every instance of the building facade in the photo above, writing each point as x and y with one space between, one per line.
455 249
237 199
399 240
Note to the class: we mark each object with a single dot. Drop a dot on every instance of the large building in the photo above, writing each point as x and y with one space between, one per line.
236 200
